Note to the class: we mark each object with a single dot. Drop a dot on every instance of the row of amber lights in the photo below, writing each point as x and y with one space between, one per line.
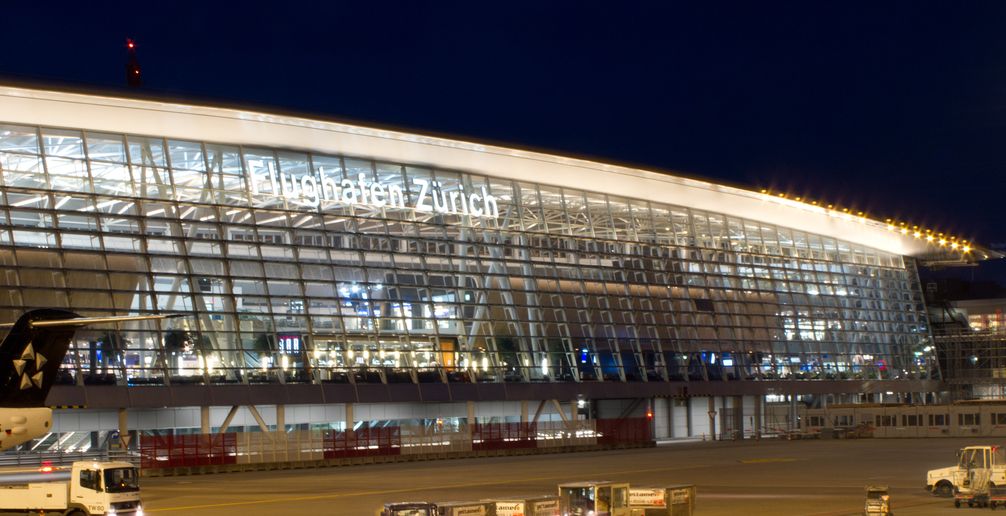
902 227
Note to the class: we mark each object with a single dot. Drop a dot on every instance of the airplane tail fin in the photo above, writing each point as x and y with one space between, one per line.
30 357
33 351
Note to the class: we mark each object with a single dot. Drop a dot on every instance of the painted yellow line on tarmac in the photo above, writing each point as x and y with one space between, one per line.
396 491
766 461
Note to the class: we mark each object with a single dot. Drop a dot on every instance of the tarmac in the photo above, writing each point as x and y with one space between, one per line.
767 477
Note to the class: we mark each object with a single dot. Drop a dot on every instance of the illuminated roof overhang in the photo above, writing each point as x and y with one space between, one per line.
223 125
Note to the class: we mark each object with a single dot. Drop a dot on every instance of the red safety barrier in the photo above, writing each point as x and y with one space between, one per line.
363 442
625 430
503 436
171 451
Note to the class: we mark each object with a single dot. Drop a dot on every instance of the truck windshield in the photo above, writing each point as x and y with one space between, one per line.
972 458
120 480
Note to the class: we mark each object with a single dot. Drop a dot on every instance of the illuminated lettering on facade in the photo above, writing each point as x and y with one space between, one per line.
430 196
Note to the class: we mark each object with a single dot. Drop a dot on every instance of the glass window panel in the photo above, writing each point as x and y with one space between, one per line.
122 244
281 270
17 138
186 155
105 147
249 287
29 218
317 272
242 250
81 241
90 299
41 278
227 176
189 179
283 288
112 178
47 297
263 177
276 252
34 238
88 261
424 175
328 170
22 170
205 248
116 207
66 167
77 221
205 266
157 245
65 143
146 151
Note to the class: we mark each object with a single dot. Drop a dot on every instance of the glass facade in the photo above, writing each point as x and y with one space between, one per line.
301 267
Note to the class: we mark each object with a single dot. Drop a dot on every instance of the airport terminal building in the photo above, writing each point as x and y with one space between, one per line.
321 264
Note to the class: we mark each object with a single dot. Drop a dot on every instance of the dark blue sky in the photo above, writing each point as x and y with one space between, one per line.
897 108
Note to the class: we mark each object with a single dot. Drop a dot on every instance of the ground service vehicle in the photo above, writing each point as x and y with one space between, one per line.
409 509
997 497
484 508
466 509
878 501
527 506
33 352
674 500
594 499
974 463
972 498
93 488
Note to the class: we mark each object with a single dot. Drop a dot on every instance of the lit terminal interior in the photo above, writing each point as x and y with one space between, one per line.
335 277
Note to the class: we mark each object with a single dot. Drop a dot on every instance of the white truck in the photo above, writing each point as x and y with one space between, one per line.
105 488
974 463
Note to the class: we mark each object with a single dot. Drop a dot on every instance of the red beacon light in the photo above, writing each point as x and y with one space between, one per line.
132 65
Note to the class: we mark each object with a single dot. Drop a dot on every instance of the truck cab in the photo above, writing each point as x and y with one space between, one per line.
974 464
105 488
91 488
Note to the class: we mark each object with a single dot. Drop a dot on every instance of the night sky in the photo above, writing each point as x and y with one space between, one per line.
894 108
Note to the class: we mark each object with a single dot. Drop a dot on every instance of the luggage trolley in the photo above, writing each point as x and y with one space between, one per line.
599 498
544 505
409 509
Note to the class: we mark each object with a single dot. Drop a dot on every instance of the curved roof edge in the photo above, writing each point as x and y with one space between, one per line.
245 127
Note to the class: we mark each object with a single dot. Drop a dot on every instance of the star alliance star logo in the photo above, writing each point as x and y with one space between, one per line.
36 360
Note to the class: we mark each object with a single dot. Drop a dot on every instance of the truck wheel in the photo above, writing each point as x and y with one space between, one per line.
944 489
75 512
957 504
